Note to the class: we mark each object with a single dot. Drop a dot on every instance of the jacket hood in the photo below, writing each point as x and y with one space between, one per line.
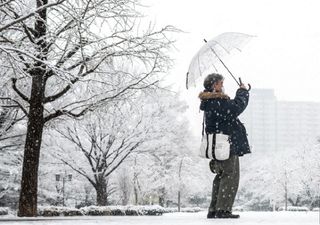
212 95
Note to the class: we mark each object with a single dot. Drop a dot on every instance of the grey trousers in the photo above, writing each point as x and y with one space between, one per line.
225 184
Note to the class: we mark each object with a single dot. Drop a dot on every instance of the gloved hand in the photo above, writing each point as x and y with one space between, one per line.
212 165
242 85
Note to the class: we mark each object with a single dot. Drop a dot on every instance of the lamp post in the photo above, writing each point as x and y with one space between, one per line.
64 177
319 202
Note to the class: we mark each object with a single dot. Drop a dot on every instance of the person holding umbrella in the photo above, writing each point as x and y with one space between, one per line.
221 116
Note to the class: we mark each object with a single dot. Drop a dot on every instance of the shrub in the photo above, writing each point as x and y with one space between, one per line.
4 211
58 211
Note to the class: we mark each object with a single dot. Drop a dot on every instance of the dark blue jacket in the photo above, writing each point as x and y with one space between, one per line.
221 116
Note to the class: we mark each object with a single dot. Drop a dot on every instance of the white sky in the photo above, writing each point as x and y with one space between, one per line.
284 56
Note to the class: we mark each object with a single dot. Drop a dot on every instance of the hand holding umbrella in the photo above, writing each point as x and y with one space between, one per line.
242 85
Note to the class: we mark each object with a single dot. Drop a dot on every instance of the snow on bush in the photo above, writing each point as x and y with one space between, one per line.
154 210
58 211
129 210
4 211
315 209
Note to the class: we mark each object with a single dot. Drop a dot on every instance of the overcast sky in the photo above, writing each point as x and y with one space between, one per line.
284 56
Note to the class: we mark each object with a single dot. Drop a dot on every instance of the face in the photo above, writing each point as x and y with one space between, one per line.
218 86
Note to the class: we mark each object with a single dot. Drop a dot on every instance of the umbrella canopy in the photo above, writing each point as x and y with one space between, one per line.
212 53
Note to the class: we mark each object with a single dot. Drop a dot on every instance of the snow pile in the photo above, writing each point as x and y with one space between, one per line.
4 211
294 208
186 210
154 210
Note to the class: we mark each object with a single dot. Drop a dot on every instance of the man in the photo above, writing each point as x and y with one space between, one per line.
221 116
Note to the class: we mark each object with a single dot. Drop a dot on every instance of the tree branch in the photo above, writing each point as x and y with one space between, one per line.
64 91
5 3
89 108
18 104
82 43
124 157
78 171
14 81
22 18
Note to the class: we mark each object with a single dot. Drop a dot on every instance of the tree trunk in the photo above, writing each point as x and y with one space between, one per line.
179 192
102 196
179 201
29 181
285 195
136 195
162 197
125 199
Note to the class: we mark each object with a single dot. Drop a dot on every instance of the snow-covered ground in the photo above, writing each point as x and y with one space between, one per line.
247 218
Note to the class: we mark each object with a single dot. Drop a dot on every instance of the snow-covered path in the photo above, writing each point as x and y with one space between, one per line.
247 218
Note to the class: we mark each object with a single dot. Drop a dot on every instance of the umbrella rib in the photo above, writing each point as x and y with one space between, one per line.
224 65
215 68
222 46
199 65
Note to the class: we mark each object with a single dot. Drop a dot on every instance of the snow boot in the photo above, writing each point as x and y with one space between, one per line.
226 215
211 215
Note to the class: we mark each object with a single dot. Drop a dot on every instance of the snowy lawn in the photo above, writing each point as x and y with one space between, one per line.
247 218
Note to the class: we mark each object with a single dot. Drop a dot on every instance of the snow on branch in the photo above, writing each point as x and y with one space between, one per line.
22 18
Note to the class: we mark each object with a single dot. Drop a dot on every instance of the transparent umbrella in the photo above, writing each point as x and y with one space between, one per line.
213 52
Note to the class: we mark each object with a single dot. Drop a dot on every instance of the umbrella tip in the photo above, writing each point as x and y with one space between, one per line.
205 40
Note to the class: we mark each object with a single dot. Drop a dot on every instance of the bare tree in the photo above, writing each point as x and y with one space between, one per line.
52 49
105 140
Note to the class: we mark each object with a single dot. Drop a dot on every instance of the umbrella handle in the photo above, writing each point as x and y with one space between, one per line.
240 82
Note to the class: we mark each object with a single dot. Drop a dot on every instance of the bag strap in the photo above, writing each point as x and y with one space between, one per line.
203 123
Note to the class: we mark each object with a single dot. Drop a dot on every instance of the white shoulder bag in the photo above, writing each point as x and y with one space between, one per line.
215 146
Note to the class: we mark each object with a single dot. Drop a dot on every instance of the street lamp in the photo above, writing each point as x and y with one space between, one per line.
64 177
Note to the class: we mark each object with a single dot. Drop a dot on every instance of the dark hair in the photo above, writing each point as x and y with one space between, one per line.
211 79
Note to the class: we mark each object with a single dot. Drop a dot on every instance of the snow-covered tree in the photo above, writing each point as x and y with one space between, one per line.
12 124
308 167
104 141
12 134
51 49
106 138
279 179
149 125
169 165
163 153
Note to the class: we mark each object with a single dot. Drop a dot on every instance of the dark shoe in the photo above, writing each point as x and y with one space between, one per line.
211 215
226 215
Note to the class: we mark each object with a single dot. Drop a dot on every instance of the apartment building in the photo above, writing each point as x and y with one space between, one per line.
274 125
